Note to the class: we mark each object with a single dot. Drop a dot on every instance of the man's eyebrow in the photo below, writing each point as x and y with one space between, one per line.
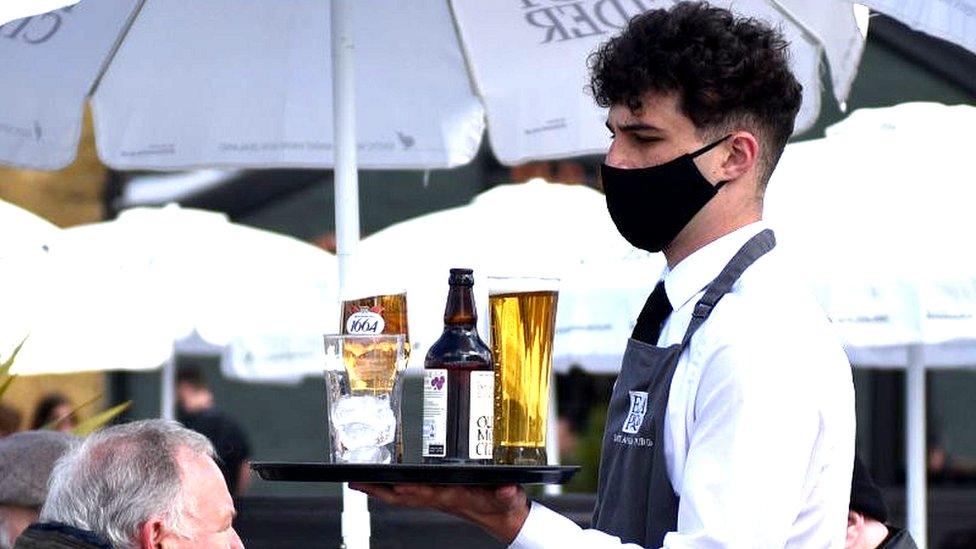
635 127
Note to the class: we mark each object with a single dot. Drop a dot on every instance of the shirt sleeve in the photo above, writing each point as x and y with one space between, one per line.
751 448
547 529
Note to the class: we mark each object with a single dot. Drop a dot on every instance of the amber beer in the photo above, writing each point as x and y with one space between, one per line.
375 315
383 313
523 319
371 364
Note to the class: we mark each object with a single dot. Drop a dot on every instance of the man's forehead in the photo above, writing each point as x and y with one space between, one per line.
656 109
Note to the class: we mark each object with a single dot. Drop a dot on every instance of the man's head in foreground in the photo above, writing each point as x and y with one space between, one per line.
143 485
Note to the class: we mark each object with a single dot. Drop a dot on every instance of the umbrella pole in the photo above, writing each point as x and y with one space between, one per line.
552 435
355 509
167 388
915 454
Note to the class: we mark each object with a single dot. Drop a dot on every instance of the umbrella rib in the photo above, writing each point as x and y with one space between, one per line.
787 14
115 48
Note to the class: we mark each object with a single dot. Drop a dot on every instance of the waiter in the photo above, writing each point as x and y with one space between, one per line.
732 420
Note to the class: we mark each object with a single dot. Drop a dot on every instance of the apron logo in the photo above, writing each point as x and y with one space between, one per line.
638 407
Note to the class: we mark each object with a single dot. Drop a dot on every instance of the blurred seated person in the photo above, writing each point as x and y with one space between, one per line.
26 460
196 410
56 412
9 420
867 520
570 172
141 485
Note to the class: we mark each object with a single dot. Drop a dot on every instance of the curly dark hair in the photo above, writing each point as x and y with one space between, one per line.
730 73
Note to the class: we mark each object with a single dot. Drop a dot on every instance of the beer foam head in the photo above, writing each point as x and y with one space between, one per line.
502 284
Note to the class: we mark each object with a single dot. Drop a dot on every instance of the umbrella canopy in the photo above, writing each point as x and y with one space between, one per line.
31 230
953 21
120 294
226 83
883 221
17 9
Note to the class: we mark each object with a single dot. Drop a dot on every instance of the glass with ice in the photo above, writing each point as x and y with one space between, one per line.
363 377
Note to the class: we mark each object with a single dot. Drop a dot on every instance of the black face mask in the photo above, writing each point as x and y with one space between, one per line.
651 205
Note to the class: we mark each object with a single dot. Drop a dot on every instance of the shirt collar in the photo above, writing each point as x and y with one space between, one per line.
694 272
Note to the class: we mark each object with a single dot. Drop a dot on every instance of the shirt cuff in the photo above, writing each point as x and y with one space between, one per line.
540 528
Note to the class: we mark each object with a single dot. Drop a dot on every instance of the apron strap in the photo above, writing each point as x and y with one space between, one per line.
756 247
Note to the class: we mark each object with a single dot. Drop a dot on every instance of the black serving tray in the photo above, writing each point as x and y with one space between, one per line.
408 473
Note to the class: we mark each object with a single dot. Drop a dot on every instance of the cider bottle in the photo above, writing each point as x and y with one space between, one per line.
459 384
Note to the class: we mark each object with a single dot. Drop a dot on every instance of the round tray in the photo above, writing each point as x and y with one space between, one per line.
406 473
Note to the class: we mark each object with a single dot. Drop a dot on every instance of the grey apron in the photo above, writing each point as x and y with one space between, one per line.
635 499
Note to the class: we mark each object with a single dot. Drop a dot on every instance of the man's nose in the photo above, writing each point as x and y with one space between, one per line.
617 157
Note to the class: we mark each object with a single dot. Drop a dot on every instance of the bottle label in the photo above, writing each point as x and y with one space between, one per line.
435 413
365 321
480 441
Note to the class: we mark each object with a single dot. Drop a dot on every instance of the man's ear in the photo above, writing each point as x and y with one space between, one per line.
151 534
855 527
743 154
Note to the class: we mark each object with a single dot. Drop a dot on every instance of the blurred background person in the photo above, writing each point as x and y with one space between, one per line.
26 460
197 410
144 484
10 420
867 520
54 411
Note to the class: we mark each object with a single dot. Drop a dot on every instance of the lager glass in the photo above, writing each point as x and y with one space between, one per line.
363 375
523 319
382 313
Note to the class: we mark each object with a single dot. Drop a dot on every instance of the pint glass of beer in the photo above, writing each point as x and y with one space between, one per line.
363 375
376 312
522 314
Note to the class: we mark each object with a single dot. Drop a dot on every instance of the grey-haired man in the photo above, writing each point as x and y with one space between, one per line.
140 485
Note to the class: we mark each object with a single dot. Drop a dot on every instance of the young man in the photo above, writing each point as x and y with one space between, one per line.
732 420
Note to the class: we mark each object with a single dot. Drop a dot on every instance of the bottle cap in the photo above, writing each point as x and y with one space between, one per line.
461 277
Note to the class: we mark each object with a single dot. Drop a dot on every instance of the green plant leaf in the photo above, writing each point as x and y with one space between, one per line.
99 420
6 385
5 367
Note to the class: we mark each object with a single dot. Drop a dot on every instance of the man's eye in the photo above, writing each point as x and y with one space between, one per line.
646 139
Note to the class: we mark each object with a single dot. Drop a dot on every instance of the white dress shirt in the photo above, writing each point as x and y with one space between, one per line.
759 430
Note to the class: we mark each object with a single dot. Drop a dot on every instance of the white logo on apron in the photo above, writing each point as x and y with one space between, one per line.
638 407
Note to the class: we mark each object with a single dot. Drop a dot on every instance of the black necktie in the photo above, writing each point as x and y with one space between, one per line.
652 316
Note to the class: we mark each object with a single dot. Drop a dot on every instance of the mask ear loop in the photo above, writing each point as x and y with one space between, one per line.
707 148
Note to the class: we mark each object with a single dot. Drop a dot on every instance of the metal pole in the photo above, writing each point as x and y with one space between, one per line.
915 452
355 508
552 435
167 389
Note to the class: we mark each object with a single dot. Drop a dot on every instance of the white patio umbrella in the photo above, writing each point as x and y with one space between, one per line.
177 85
17 9
23 230
879 213
120 295
953 21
